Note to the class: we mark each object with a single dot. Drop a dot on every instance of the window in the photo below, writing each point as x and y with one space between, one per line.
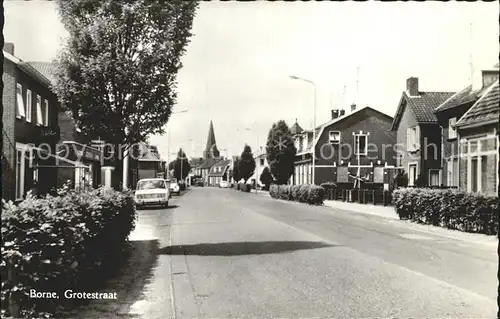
434 179
360 144
334 137
46 113
29 105
474 175
39 116
261 162
452 132
19 174
19 101
452 172
412 174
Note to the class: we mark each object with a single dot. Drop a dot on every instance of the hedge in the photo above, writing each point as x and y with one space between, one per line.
450 208
311 194
57 243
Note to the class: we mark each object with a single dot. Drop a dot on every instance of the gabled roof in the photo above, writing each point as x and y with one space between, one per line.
296 129
26 67
422 106
195 162
209 162
48 69
463 97
320 129
224 164
145 154
485 111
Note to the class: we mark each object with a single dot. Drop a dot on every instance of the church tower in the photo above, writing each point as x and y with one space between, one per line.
211 150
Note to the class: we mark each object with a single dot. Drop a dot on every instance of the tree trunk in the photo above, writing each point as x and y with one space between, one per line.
117 176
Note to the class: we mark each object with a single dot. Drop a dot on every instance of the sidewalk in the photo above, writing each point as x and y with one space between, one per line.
389 213
378 210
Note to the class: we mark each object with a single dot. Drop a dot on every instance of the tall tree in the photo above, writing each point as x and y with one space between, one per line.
246 164
280 151
117 73
266 178
236 170
181 166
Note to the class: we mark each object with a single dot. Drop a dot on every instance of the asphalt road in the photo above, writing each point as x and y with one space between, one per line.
226 254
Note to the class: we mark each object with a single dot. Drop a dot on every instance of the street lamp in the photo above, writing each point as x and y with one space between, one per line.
293 77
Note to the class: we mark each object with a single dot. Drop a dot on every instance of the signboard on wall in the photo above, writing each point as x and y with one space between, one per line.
342 174
378 175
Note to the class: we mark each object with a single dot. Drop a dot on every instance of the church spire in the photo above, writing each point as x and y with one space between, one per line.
211 148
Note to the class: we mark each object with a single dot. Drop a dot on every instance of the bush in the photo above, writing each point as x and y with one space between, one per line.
52 243
310 194
448 208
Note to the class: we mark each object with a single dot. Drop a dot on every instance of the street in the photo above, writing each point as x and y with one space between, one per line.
218 253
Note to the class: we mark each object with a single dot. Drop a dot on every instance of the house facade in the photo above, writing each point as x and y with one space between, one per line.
351 146
477 134
218 172
30 129
418 133
448 114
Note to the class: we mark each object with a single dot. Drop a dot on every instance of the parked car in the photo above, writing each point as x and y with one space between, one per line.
224 184
174 187
152 192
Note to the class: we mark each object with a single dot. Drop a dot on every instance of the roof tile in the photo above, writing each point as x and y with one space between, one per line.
485 110
424 105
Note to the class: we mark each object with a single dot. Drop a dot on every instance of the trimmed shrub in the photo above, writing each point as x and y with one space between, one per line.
450 208
310 194
52 243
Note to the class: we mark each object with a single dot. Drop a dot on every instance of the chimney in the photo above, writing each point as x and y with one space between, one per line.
335 114
342 112
489 77
412 86
9 47
353 107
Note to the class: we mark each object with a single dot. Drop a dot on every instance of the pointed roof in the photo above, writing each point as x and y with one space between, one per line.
47 69
211 148
296 129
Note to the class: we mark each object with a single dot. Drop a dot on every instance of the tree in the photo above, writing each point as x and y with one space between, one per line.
246 163
236 170
280 151
266 178
117 73
181 166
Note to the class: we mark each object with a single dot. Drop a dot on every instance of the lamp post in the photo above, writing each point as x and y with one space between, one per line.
168 134
293 77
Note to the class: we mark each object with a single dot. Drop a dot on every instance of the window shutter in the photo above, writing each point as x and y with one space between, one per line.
19 101
39 115
417 136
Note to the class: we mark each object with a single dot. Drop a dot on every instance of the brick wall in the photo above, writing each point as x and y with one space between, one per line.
8 133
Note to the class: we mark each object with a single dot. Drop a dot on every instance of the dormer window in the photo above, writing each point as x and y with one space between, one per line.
334 137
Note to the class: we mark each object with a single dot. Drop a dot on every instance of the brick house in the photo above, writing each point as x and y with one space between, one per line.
419 134
350 145
218 172
448 114
73 145
30 129
477 133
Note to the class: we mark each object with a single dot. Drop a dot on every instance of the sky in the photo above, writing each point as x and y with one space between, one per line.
237 67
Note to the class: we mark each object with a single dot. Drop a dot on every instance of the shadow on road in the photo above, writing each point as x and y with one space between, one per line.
157 207
242 248
128 281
